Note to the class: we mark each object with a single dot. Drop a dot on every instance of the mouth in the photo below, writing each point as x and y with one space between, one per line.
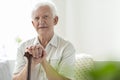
42 27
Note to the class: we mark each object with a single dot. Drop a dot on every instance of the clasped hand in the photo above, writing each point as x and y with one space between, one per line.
38 53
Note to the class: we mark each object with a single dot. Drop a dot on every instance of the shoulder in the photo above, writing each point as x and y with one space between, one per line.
65 43
27 42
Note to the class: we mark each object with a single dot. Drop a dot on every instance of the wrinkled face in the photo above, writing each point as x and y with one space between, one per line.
43 20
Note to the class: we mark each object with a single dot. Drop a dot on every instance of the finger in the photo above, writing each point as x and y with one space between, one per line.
40 52
39 49
44 54
28 50
32 49
36 51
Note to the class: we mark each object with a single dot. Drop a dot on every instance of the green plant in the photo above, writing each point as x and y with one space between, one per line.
106 71
18 40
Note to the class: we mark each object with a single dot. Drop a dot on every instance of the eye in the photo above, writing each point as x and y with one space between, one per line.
36 18
45 17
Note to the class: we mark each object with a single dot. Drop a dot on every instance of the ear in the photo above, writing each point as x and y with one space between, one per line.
32 23
55 20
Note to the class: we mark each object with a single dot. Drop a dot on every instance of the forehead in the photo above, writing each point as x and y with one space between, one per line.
43 10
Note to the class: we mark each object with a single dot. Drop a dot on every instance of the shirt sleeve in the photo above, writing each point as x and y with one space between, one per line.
20 60
66 66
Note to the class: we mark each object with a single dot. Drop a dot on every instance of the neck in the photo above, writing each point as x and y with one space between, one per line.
44 39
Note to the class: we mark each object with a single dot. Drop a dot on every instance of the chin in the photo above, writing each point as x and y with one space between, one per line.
42 33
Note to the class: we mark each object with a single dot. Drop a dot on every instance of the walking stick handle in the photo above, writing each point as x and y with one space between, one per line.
29 57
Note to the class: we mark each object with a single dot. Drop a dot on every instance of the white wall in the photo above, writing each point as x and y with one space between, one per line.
14 22
93 26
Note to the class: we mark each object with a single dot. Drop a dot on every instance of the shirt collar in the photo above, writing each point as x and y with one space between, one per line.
52 42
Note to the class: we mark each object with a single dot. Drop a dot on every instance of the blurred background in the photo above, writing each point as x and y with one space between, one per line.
93 26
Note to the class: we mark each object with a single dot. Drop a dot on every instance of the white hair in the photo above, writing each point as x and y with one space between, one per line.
41 3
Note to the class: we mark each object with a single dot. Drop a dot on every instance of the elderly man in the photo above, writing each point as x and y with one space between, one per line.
53 58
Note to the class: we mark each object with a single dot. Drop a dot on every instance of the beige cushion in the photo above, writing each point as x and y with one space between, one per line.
84 63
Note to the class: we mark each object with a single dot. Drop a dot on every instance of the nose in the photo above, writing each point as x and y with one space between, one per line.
41 20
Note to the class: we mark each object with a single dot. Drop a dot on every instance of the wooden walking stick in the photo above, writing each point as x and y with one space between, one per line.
29 57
